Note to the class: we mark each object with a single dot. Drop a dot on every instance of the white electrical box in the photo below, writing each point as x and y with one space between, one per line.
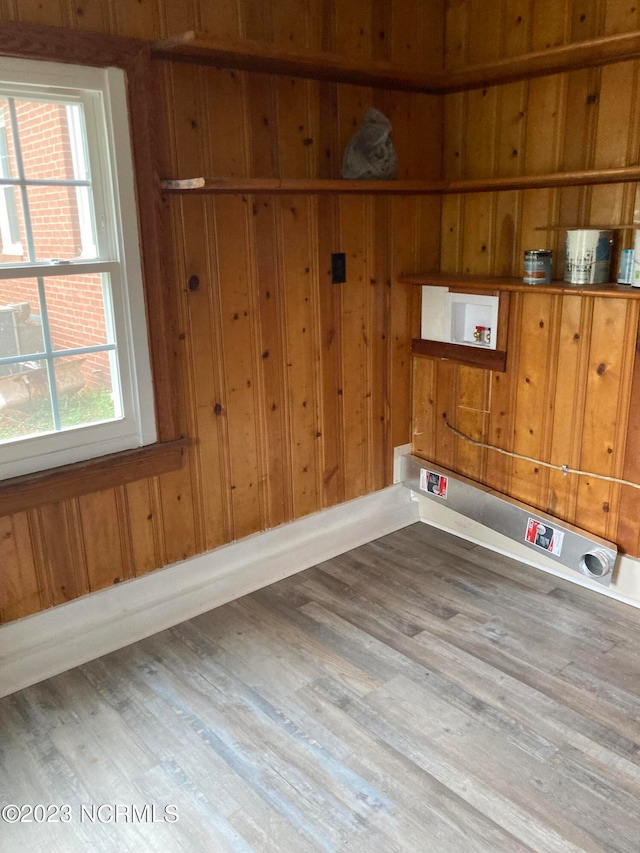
459 318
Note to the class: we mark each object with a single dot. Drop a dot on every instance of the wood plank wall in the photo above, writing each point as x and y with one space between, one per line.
294 390
566 397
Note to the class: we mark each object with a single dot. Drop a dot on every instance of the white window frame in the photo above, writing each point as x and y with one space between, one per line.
9 245
118 255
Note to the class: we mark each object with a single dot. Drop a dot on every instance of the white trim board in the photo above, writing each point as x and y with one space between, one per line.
58 639
625 586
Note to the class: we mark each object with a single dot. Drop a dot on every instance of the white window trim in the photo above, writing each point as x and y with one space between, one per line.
119 241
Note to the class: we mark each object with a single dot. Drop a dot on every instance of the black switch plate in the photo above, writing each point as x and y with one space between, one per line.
338 268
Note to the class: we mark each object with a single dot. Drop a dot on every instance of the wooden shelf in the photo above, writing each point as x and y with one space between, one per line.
289 186
247 55
487 359
292 186
483 284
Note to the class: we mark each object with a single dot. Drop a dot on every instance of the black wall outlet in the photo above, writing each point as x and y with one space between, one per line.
338 268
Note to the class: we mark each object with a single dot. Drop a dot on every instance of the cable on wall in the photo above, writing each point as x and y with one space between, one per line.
564 468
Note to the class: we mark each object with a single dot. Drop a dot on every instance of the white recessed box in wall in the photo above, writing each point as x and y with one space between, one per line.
459 318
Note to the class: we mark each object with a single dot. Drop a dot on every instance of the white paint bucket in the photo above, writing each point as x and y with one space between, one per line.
588 256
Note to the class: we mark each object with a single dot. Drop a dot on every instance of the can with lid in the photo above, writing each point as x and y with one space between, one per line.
537 266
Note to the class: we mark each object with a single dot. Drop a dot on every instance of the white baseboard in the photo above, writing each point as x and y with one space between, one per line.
625 586
55 640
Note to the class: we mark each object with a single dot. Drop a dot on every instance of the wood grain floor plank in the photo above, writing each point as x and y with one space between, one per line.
418 694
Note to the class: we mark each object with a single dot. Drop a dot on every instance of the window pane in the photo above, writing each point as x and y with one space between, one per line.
61 223
20 321
84 393
51 141
13 242
7 149
76 310
25 406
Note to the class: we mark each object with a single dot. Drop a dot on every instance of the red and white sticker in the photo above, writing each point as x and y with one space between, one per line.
544 536
435 484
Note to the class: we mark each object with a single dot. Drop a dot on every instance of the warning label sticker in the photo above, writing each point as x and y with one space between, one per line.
544 536
435 484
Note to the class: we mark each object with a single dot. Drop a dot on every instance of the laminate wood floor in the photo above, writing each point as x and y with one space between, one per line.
417 694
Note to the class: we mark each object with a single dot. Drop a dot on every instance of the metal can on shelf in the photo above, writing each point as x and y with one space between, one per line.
537 266
625 267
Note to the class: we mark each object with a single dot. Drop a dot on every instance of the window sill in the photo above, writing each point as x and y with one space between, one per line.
71 481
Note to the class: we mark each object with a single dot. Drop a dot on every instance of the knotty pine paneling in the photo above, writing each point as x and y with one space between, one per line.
292 390
570 393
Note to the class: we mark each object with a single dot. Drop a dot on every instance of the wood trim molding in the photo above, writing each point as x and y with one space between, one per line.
487 359
81 478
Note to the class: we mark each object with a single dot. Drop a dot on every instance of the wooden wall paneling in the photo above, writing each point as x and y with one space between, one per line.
608 390
92 15
415 35
504 388
471 418
207 393
330 307
143 520
574 342
21 591
516 27
328 164
551 23
35 12
103 547
423 384
177 18
451 238
621 17
221 18
294 26
353 27
380 296
456 25
480 135
628 532
356 344
242 404
484 31
477 233
446 443
257 20
299 283
536 366
404 320
58 539
270 304
136 20
587 19
185 148
297 102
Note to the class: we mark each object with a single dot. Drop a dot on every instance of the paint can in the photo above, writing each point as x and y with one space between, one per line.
635 277
537 266
625 267
588 256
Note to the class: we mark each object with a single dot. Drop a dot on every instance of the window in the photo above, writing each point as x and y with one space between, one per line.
75 379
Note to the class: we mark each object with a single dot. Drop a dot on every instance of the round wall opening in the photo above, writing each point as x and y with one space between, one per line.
595 564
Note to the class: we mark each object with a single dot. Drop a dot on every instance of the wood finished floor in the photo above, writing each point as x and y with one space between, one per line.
416 694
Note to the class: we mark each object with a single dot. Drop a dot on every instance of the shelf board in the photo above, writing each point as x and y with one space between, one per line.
482 284
269 58
625 174
487 359
264 57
